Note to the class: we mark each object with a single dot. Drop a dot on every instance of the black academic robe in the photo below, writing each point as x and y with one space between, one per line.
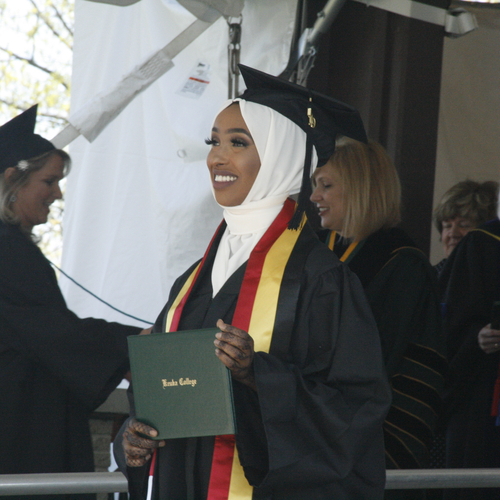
401 287
313 429
55 368
469 284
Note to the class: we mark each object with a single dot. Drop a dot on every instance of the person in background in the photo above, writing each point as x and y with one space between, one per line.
358 196
470 285
309 387
55 368
463 207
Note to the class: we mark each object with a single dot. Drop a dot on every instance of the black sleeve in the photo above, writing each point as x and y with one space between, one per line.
320 417
89 356
404 301
470 283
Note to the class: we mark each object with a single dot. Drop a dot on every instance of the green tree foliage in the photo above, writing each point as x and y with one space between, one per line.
36 39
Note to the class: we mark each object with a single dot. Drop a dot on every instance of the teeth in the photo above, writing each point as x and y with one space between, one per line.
225 178
321 209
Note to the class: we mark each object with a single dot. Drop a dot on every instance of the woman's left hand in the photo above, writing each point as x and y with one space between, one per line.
234 347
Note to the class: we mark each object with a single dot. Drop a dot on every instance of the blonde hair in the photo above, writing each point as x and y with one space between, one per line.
21 176
470 200
372 191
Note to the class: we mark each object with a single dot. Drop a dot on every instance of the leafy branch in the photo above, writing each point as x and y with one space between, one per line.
63 22
33 63
47 21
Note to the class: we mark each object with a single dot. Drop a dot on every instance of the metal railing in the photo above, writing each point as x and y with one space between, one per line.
442 478
70 482
109 482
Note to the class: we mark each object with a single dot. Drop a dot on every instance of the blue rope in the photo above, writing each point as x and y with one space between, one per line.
99 298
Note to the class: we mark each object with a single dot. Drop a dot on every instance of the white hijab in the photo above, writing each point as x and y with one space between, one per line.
281 146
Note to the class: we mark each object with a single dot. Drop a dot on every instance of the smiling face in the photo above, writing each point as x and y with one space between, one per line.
233 160
33 200
328 195
453 231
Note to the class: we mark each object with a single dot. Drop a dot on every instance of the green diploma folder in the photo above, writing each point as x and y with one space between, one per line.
180 386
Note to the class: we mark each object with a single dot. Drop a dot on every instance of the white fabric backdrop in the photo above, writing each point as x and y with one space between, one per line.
139 209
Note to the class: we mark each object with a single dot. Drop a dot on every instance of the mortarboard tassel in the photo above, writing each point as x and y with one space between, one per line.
304 203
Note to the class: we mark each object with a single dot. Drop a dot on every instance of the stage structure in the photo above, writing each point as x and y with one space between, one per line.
148 77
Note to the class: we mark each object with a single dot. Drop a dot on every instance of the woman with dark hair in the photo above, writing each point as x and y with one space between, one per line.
358 196
463 207
55 368
295 329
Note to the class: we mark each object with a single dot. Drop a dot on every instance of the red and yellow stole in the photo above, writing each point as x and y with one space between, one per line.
255 313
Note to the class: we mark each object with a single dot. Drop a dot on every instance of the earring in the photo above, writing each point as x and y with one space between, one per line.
13 198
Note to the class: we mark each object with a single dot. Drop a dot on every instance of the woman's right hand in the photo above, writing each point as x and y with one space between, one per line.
489 339
138 448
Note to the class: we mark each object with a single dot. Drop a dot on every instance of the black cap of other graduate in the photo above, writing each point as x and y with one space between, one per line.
19 142
321 117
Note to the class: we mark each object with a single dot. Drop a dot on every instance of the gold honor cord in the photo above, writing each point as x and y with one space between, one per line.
350 248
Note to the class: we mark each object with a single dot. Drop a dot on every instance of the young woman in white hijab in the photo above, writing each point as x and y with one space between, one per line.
296 333
279 177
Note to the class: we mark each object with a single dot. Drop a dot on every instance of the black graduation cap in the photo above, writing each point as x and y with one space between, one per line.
321 117
19 142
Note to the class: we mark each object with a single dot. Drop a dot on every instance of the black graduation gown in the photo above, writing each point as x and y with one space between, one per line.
55 368
313 429
401 287
469 284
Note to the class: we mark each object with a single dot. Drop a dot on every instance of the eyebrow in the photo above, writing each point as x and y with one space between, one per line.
317 175
235 131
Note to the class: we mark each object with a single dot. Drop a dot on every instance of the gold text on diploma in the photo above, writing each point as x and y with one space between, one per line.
174 383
